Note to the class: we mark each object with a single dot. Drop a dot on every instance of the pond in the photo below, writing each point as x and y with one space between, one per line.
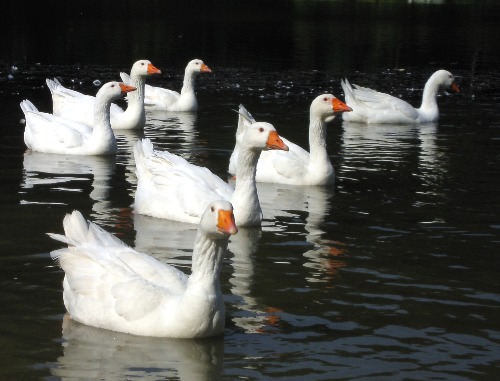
391 273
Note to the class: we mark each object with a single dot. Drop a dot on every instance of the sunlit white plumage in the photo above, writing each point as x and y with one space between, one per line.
76 106
51 134
170 187
158 98
297 167
109 285
370 106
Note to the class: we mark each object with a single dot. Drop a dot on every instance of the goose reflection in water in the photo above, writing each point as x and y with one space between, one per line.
125 140
325 258
383 144
251 317
381 147
51 171
173 131
97 354
283 204
164 239
432 161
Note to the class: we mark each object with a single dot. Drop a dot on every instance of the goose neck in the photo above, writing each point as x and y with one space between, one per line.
137 96
245 199
246 166
317 140
102 107
188 83
430 94
208 254
102 140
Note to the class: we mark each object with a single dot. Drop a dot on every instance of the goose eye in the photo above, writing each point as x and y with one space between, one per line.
212 209
325 99
261 129
112 85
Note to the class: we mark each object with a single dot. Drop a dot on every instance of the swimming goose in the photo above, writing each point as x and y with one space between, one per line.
76 106
109 285
51 134
158 98
370 106
296 167
170 187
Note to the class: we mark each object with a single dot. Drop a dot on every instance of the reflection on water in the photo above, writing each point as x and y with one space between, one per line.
126 140
391 148
243 246
378 145
432 160
429 149
168 241
282 202
173 131
98 354
326 256
60 173
282 205
384 143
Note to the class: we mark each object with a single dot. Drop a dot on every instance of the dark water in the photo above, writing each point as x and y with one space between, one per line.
390 274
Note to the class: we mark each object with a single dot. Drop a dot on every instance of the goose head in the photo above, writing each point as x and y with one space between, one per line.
446 80
197 66
326 107
263 136
218 220
143 68
114 90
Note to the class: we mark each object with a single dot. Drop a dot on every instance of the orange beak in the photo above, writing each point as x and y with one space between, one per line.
339 106
225 222
153 69
455 87
126 89
274 142
205 69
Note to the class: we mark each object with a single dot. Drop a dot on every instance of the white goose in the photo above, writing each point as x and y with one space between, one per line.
296 167
76 106
170 187
109 285
370 106
51 134
158 98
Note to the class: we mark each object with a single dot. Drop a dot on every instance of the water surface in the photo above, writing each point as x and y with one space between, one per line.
392 273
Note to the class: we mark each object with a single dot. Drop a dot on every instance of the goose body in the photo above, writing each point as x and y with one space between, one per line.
296 167
51 134
109 285
158 98
170 187
370 106
76 106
